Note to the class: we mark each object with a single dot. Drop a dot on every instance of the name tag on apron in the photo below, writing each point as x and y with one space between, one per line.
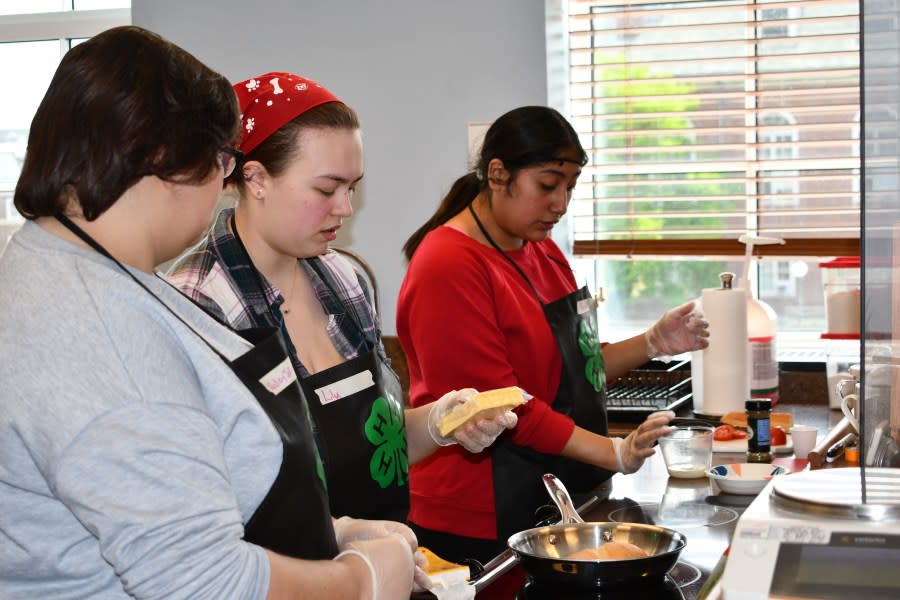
280 377
586 304
345 387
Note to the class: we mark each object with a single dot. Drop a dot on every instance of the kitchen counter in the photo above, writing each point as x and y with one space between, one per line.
694 507
817 415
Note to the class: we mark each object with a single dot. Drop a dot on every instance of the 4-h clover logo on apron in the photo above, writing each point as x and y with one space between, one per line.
384 429
589 344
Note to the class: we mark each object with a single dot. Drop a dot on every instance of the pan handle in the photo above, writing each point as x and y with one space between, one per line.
508 559
496 567
563 500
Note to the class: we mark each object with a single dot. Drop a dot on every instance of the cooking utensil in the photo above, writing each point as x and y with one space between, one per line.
485 575
542 551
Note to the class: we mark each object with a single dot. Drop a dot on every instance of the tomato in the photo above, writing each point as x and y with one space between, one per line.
723 433
726 432
779 437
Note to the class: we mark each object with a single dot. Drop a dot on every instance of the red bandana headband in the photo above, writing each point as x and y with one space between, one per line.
273 99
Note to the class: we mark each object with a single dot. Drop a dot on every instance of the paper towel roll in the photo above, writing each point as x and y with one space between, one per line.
726 361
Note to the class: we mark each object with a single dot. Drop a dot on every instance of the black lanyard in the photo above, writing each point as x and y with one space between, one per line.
491 241
87 239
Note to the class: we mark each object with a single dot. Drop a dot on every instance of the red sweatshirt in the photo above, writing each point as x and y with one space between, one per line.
467 318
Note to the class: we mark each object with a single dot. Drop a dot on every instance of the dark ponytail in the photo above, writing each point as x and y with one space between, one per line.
523 137
464 190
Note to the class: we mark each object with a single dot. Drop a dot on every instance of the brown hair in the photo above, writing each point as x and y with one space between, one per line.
278 150
523 137
123 105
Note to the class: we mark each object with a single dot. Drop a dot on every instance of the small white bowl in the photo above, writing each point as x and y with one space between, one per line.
744 478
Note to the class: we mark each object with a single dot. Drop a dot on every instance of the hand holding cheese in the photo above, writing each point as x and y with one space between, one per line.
389 561
348 530
471 419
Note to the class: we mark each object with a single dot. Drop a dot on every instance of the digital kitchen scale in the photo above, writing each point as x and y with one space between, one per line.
809 535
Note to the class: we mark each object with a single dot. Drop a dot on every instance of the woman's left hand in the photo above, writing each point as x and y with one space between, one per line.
632 451
474 436
682 329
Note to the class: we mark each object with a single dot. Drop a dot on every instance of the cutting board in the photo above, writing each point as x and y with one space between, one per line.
739 446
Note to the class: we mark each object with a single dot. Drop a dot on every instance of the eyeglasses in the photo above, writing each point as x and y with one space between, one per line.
229 158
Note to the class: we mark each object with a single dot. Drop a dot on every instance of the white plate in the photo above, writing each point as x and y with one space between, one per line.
740 445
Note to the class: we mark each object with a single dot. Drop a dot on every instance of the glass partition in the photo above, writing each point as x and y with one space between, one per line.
880 313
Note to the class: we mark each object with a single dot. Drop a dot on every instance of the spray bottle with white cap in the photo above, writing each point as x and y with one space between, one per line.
761 329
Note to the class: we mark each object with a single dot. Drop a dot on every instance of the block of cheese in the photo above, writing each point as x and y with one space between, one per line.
739 419
483 406
443 573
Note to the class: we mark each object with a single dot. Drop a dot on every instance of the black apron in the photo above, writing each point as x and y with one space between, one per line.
363 438
517 471
357 410
293 519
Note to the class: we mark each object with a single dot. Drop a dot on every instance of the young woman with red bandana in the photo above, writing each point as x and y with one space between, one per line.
267 262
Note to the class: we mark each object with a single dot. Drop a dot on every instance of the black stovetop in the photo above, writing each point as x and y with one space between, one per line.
670 587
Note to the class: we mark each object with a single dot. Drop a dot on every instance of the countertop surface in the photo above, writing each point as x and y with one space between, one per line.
694 507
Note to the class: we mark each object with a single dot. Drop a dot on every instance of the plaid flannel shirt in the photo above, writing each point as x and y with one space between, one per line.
219 276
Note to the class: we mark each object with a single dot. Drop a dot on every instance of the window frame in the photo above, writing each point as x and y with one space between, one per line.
63 26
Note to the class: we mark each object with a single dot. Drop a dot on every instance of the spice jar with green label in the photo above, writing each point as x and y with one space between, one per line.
759 434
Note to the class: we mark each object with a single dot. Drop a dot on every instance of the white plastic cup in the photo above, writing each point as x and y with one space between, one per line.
804 439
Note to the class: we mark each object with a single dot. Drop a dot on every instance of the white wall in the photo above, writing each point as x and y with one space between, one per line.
416 71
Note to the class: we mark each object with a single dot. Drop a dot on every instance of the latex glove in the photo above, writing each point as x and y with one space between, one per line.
632 451
389 561
473 436
682 329
348 529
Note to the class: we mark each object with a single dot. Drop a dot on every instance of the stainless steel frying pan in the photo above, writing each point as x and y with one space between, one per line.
543 551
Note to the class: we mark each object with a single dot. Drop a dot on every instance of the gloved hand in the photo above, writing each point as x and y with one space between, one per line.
348 529
473 436
389 561
634 449
680 330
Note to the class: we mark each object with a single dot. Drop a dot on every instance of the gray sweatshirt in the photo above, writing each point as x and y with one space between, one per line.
130 454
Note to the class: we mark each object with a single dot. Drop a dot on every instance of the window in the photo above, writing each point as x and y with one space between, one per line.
706 120
34 34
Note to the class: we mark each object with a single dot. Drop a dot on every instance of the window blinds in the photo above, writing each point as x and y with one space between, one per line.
706 120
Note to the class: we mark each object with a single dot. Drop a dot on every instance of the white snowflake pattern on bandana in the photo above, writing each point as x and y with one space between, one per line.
249 124
300 87
252 85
